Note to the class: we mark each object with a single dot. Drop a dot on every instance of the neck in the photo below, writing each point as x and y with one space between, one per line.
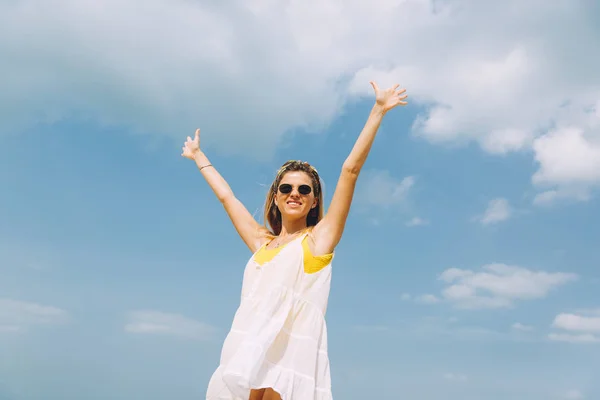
292 227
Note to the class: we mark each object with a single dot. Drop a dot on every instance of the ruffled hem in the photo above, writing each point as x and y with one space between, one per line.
289 384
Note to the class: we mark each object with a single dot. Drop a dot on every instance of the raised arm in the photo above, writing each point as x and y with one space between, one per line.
329 230
245 224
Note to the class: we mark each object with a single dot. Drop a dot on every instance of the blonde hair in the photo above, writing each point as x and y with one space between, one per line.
272 215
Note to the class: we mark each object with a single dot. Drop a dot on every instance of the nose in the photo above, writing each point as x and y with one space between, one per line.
294 193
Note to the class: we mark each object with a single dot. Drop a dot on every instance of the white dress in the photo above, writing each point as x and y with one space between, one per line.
278 338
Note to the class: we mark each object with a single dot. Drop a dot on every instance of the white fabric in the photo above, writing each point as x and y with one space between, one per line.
278 338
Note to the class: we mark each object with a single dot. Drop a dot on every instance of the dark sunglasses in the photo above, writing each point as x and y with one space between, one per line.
286 188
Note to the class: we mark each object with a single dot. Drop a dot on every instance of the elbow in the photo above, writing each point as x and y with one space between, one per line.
226 197
351 169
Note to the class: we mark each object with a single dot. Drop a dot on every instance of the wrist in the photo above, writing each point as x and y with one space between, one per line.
378 110
199 157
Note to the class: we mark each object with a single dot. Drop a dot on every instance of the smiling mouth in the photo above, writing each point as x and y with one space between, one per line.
294 203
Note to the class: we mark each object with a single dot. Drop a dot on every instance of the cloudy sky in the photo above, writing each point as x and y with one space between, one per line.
470 264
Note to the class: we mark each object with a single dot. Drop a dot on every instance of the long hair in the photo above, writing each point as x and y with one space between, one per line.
272 216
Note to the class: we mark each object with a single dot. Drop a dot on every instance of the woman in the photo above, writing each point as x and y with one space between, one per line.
277 346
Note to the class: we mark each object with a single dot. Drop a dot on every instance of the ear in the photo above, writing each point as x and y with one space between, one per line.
315 203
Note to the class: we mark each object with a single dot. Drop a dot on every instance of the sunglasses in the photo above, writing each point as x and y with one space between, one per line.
286 188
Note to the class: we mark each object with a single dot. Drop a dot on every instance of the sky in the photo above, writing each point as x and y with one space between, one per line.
469 268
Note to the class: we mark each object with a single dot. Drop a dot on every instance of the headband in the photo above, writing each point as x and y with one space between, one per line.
290 162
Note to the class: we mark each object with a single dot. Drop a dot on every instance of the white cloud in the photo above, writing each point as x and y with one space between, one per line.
278 65
453 377
416 221
160 323
565 156
421 299
573 322
546 198
495 89
427 299
521 327
574 395
498 210
571 338
379 188
569 160
18 316
282 62
9 328
208 60
577 328
499 285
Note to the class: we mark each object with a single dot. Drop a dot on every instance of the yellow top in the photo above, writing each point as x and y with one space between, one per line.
312 263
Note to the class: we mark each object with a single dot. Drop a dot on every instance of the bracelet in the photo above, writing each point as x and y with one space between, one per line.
204 166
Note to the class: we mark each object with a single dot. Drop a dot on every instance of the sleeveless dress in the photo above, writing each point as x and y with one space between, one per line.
278 338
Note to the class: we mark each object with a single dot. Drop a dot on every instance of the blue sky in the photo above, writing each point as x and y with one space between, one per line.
469 266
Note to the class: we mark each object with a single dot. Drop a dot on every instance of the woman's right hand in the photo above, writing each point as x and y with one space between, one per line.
191 147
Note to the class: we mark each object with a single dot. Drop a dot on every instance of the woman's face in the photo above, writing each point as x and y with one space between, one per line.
295 195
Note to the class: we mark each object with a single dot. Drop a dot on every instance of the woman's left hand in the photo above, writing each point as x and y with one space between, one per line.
389 98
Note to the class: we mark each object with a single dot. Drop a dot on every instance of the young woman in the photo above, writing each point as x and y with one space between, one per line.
277 346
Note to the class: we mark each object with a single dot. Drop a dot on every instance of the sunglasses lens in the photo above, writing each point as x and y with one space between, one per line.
304 189
285 188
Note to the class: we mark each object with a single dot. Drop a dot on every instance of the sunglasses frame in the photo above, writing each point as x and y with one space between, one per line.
291 187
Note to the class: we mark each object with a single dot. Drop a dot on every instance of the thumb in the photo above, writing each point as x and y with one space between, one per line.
375 87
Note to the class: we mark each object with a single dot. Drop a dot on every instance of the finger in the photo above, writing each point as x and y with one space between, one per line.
402 97
197 134
396 86
375 87
401 91
189 139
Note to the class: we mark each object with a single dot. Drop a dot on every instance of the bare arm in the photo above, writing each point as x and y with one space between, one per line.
329 230
246 226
